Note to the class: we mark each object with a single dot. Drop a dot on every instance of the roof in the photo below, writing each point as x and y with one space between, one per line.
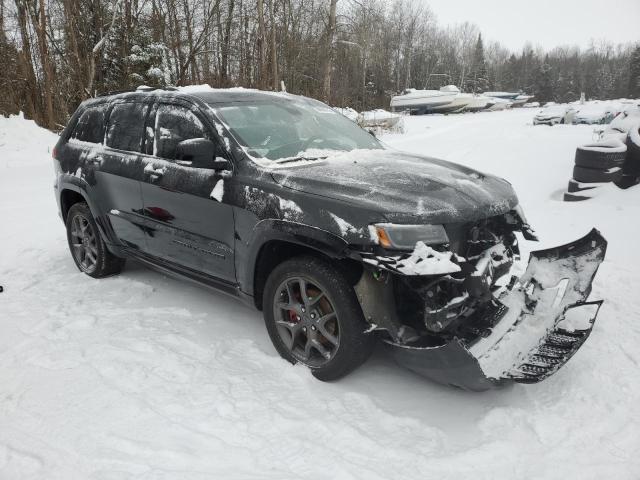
232 95
204 92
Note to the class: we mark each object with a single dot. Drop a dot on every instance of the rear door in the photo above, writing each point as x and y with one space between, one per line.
109 138
119 170
191 223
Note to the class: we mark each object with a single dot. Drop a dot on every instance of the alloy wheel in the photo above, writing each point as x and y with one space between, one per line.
306 321
84 243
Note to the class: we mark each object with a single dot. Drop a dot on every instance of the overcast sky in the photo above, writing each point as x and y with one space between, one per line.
547 23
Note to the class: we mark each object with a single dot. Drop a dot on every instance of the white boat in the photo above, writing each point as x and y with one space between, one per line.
502 95
479 102
421 101
521 100
499 104
446 100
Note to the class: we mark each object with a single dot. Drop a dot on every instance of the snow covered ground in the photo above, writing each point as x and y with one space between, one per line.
142 376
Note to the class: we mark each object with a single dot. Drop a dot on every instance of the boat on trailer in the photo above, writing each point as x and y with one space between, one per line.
446 100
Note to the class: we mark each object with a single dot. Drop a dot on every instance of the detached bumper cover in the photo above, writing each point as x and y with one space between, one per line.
538 324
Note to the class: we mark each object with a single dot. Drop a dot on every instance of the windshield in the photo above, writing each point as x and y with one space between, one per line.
282 129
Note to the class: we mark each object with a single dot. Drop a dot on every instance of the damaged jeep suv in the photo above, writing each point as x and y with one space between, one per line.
341 242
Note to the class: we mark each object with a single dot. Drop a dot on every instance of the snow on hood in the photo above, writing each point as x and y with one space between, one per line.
625 121
593 110
402 186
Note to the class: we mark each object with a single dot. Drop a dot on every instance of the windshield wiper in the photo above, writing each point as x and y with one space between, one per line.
297 159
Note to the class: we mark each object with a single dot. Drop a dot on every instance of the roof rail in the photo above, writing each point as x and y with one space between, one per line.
113 92
145 88
141 88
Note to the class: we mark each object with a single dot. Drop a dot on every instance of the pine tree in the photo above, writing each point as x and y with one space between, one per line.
605 83
510 77
479 69
634 74
566 90
543 86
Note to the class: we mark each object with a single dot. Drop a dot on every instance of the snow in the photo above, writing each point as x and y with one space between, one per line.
348 112
609 145
381 121
143 376
377 115
218 190
424 260
624 121
344 226
290 210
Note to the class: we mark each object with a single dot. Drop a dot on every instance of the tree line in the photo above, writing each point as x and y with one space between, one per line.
358 53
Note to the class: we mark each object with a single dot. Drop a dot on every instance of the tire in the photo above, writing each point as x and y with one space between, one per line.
572 197
632 162
601 155
575 187
593 175
627 181
87 248
291 330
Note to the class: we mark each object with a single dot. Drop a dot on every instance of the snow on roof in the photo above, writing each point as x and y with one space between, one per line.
214 95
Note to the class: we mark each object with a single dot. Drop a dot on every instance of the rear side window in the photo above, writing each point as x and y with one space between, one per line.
126 124
173 125
90 126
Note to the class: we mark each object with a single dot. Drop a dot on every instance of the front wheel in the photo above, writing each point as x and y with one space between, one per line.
313 317
87 247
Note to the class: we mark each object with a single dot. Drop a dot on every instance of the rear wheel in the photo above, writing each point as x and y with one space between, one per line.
86 245
313 317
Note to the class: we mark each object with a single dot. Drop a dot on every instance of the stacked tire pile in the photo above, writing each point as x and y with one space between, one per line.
631 169
608 161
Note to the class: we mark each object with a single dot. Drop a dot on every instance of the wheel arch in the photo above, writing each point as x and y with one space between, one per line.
72 193
68 198
281 241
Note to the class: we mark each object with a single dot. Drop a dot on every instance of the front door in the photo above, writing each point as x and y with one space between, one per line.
190 224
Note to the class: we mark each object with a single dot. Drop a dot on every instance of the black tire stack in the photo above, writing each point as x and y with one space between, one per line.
595 164
631 168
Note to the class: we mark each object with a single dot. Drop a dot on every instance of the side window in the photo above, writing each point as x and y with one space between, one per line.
126 125
173 125
90 126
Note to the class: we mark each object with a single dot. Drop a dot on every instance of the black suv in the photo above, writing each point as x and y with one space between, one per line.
284 203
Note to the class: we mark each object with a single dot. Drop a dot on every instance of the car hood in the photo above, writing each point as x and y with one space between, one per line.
550 115
402 187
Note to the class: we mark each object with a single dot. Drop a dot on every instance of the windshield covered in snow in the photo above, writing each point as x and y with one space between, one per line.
595 109
288 129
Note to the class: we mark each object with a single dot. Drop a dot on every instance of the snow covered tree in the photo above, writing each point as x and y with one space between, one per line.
634 74
605 82
566 89
510 78
543 86
479 69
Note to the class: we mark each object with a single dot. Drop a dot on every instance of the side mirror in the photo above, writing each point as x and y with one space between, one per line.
200 153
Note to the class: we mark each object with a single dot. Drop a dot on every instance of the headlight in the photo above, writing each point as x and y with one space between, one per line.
405 237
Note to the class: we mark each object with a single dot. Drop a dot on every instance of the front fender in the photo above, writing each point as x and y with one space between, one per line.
270 230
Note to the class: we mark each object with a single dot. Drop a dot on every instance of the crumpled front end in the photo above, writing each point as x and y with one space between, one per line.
523 332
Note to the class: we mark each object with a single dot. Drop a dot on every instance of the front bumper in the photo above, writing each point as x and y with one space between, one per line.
537 325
